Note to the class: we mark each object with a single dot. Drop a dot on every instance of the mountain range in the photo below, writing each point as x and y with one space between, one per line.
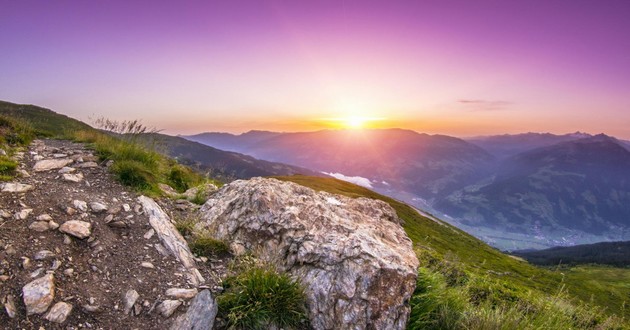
515 191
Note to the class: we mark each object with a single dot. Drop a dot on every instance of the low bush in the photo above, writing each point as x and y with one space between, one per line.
134 174
15 132
182 178
260 298
204 245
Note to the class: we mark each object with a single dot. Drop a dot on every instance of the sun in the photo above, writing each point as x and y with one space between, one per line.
354 122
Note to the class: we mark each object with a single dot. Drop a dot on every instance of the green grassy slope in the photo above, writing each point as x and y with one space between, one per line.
436 242
47 123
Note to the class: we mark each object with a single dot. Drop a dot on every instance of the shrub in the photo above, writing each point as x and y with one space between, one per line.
135 174
260 298
7 166
207 246
15 132
182 178
185 226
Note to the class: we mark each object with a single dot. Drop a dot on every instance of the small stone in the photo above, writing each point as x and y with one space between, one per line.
80 205
126 207
66 240
38 157
130 299
59 155
4 214
56 264
137 208
37 272
168 307
91 308
50 164
88 165
59 312
65 170
76 228
15 187
22 215
9 306
117 224
109 218
68 272
76 178
149 234
43 254
53 225
39 226
147 265
43 217
39 294
23 173
98 207
178 293
10 250
2 152
168 190
70 211
4 278
26 263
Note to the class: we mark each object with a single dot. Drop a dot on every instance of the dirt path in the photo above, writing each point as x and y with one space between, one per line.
41 232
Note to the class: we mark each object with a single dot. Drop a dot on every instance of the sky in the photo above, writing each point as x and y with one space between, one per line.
462 68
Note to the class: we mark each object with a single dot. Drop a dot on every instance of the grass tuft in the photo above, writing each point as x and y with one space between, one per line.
207 246
260 298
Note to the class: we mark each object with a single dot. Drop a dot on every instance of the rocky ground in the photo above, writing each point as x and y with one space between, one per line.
77 250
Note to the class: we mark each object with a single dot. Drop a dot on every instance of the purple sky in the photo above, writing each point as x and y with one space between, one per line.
453 67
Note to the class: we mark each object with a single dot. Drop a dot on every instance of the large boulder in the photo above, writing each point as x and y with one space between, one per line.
353 257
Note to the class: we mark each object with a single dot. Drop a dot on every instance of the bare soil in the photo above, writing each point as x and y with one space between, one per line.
106 265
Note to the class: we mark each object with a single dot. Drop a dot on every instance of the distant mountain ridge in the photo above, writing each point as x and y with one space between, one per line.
605 253
424 164
558 189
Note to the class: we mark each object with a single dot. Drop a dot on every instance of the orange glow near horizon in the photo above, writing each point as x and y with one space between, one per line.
352 122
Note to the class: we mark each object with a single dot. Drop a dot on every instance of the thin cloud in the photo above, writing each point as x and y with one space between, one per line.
484 105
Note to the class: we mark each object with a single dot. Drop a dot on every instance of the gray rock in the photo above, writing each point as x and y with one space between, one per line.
9 306
59 312
88 165
200 315
23 214
2 152
39 226
39 294
23 173
149 234
66 170
126 207
76 178
146 264
130 299
43 254
15 187
51 164
98 207
171 238
76 228
4 214
80 205
354 259
168 190
178 293
43 217
53 225
168 307
205 191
